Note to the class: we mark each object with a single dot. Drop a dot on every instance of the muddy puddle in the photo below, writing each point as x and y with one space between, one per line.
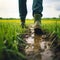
38 48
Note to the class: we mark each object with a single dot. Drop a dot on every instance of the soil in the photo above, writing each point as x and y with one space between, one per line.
44 46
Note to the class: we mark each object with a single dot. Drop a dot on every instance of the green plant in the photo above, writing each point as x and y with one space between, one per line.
9 44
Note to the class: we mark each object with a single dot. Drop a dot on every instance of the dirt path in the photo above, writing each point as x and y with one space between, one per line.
41 47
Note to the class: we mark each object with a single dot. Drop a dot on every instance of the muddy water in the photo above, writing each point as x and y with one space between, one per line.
30 41
38 49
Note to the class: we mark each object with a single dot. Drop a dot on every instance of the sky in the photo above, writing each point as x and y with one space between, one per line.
9 8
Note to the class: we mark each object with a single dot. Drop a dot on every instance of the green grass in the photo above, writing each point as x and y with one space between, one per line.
52 25
9 29
8 37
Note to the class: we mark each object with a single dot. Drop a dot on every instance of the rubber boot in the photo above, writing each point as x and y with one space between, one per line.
37 24
23 23
37 20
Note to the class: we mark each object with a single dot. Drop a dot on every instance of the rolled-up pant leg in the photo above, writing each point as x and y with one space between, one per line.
22 9
37 7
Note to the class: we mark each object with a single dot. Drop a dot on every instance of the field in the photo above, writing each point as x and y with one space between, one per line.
48 24
9 29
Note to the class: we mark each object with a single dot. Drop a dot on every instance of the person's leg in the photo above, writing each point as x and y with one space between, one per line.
37 10
22 11
37 14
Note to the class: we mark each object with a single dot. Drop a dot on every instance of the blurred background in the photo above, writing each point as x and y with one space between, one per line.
9 8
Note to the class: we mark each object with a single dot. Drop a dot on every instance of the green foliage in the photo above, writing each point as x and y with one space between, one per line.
9 44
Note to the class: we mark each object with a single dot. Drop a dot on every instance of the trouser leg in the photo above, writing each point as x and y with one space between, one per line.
22 10
37 7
